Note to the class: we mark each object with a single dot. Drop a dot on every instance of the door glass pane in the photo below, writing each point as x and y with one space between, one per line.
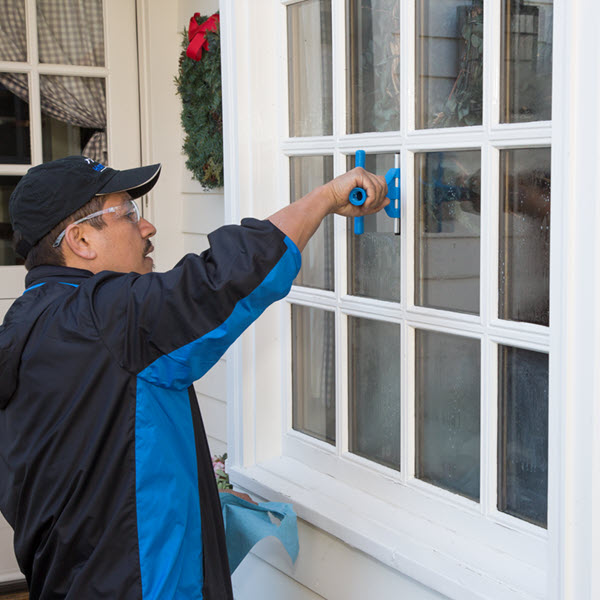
523 434
374 390
310 84
524 256
73 117
449 69
373 57
527 54
15 143
447 239
71 32
374 256
7 253
13 33
313 372
307 173
447 408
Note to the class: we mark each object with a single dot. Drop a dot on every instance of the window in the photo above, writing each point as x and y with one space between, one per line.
418 367
54 98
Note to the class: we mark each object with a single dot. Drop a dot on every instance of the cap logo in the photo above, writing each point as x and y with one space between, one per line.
95 165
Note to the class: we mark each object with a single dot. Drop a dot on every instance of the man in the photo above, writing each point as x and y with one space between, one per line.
105 468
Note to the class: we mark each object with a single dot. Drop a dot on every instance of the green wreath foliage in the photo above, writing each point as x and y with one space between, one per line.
199 85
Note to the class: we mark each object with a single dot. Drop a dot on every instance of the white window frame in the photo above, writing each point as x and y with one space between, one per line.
351 498
122 101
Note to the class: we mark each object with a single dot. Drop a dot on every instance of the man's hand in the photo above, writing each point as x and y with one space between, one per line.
240 495
339 190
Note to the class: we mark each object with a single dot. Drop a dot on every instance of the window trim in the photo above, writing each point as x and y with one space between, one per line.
573 486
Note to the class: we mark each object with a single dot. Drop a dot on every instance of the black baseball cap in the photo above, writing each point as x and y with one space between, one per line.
52 191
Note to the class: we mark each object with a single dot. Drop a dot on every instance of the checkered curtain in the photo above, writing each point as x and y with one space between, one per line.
70 33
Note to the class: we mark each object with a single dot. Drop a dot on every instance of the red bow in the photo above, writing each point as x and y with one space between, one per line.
197 35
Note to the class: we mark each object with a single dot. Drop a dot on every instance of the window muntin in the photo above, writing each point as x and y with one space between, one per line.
483 150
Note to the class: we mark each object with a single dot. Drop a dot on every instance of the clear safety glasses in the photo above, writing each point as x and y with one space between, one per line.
128 210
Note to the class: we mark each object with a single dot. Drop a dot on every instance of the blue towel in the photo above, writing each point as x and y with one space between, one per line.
247 523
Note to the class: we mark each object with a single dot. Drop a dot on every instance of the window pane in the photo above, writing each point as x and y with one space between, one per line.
73 117
527 53
373 56
449 70
308 172
374 256
447 239
71 32
310 68
313 372
374 390
447 412
523 434
13 34
524 257
7 253
15 143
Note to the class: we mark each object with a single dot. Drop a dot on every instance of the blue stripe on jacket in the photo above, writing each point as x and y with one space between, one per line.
167 497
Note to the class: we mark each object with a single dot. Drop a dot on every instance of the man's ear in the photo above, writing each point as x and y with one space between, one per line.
79 243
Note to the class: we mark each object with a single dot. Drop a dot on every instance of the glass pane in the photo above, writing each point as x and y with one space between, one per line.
374 256
523 434
13 34
524 257
15 143
447 411
310 84
71 32
373 56
448 221
307 173
73 117
7 253
527 53
313 372
374 388
449 56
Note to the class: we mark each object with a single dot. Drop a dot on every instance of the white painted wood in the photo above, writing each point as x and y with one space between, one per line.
196 243
9 569
214 415
202 212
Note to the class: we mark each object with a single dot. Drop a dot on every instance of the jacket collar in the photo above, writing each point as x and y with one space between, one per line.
50 273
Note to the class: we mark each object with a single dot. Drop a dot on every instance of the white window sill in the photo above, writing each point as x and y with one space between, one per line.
478 560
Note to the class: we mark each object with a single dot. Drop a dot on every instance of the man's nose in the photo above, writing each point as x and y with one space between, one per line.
146 228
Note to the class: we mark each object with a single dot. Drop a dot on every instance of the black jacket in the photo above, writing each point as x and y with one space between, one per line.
105 470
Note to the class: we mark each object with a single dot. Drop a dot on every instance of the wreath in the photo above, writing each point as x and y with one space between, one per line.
199 85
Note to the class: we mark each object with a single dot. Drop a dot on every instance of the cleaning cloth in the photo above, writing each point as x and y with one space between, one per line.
247 523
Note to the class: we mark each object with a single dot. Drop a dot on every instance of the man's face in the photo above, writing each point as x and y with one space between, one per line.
122 245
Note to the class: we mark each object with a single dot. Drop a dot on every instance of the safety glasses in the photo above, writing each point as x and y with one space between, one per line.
128 210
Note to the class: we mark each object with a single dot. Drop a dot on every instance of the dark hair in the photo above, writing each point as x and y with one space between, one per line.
43 253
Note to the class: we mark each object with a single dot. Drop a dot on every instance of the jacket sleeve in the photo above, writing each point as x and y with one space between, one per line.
171 328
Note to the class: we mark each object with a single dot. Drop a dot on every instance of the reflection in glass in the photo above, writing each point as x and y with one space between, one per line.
447 411
73 117
310 84
524 256
374 256
523 434
526 86
15 143
75 36
373 56
449 53
13 32
307 173
7 253
447 239
374 390
313 372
